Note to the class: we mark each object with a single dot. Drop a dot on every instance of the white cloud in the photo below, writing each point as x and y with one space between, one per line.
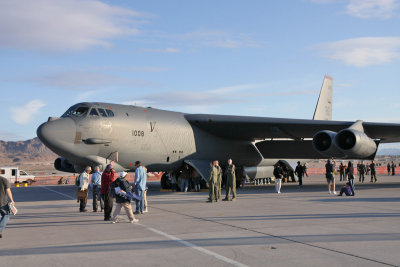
83 80
382 9
200 99
25 114
165 50
362 52
63 24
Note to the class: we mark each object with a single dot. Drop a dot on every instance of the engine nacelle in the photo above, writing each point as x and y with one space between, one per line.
323 142
62 164
355 144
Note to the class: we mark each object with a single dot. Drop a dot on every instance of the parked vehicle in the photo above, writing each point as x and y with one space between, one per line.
13 174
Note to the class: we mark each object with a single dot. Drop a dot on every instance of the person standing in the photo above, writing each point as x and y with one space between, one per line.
5 192
83 191
329 167
341 172
185 177
123 201
95 184
361 172
212 183
278 173
140 186
196 180
300 172
393 166
350 176
106 179
244 175
219 181
230 181
373 171
388 168
305 169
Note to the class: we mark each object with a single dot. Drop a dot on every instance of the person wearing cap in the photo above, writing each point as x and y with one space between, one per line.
140 186
300 172
83 188
106 179
122 200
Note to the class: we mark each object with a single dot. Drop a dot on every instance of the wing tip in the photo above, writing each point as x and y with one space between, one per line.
328 77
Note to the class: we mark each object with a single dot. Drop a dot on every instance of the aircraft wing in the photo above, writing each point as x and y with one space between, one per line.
256 128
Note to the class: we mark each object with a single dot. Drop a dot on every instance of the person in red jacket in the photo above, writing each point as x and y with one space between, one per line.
106 179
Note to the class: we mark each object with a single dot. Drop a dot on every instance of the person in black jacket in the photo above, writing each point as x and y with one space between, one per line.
350 175
278 173
330 178
122 187
300 172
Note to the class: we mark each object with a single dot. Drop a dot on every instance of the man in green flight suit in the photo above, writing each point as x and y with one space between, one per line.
212 183
230 181
219 181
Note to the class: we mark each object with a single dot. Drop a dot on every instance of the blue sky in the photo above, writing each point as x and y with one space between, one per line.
257 58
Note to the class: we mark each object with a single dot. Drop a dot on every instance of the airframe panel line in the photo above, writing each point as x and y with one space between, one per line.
193 246
174 238
54 191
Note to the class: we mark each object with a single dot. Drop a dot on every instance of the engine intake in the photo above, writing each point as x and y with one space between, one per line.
323 142
62 164
355 144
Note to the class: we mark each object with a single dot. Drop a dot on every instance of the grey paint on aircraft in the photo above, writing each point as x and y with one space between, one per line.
163 140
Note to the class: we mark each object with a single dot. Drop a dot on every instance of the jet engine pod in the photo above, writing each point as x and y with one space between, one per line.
355 144
323 142
62 164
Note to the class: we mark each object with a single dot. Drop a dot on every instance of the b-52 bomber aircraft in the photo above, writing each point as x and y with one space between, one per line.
96 134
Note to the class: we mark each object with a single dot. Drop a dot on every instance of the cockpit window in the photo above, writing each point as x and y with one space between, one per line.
94 112
102 112
110 113
69 111
81 111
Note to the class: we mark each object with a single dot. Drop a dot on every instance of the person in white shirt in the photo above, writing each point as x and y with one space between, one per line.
83 188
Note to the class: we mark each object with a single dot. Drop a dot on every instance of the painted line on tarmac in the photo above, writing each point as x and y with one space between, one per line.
193 246
54 191
174 238
278 237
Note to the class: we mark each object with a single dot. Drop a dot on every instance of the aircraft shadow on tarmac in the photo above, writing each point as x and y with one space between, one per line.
306 216
130 244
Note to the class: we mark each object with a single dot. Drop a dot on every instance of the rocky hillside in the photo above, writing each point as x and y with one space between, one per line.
31 150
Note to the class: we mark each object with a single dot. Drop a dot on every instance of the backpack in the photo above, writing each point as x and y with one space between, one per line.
78 181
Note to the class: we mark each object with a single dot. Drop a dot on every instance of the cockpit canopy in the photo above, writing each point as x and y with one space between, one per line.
84 110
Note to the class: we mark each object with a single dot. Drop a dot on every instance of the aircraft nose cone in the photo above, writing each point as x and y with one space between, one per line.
57 134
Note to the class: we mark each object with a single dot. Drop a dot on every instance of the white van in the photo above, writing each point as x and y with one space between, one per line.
13 174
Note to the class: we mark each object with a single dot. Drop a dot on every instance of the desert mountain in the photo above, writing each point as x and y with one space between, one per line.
32 150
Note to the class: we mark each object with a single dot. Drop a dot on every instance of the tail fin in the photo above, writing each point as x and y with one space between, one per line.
323 110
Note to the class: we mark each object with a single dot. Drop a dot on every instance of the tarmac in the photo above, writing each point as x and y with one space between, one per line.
303 226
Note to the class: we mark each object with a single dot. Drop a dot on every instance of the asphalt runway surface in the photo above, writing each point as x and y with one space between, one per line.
300 227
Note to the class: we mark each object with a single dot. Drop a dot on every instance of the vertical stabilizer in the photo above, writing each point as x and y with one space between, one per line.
323 110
